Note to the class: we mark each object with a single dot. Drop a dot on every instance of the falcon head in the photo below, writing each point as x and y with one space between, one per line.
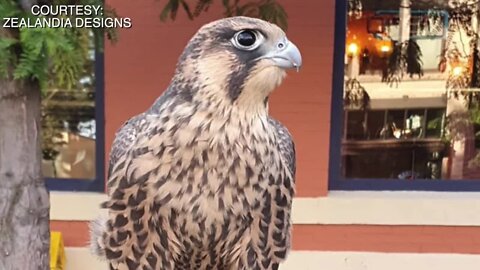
238 59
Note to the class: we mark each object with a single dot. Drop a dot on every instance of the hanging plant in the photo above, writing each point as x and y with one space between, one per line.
475 80
406 58
396 65
461 14
355 8
269 10
463 58
434 21
413 59
356 97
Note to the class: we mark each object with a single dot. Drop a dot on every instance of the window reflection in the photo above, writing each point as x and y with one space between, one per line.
411 95
68 128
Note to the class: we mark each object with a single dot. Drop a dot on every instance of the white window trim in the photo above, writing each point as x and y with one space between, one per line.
390 208
339 207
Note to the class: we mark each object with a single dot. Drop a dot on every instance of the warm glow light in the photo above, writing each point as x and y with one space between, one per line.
457 71
353 49
385 48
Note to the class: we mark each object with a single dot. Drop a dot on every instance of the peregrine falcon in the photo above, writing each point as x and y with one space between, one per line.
204 178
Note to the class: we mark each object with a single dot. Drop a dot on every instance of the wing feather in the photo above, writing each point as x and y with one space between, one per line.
286 144
124 140
271 238
127 134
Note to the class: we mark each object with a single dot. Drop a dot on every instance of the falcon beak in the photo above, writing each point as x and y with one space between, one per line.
285 55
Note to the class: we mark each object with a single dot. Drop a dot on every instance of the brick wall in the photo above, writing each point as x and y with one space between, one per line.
140 66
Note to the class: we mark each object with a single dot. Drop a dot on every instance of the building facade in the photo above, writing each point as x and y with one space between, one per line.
339 223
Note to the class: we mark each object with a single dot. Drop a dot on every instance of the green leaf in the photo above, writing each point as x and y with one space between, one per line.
187 10
7 55
173 12
8 9
54 57
269 10
202 6
166 10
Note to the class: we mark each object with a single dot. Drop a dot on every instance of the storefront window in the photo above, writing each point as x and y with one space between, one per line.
411 95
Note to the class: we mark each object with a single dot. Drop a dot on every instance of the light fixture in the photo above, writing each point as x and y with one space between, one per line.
352 49
385 48
457 71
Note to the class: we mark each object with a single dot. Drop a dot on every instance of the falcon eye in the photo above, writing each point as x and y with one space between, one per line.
246 40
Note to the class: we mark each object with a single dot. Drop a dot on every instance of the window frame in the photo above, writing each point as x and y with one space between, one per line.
336 180
97 184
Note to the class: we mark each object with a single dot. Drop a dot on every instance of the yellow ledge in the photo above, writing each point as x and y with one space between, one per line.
57 252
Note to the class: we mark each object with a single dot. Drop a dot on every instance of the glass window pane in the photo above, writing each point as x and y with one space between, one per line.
355 125
68 128
412 94
375 124
435 123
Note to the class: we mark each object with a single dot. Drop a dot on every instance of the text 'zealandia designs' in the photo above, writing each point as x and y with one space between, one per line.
66 16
